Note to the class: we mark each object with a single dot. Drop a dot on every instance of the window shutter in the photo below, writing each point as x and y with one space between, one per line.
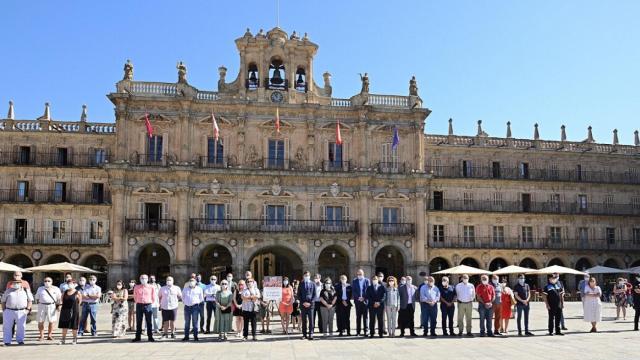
11 228
105 234
140 214
287 154
70 159
48 233
287 210
401 219
323 212
227 210
68 229
380 214
86 235
30 229
326 151
165 210
264 212
346 212
203 213
165 147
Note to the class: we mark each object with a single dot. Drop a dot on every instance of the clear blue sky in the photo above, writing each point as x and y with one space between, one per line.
553 62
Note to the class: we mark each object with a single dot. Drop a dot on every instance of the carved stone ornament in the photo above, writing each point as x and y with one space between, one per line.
375 243
391 191
132 241
195 242
335 189
74 255
407 244
233 242
276 189
352 243
171 242
214 187
317 243
36 255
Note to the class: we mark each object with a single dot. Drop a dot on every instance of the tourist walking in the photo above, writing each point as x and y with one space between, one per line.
591 304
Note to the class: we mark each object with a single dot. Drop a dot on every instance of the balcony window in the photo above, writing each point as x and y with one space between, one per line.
276 154
58 229
438 233
527 234
583 236
215 151
467 169
582 202
390 215
97 193
495 169
23 191
438 200
335 155
611 236
60 192
215 213
636 236
334 215
555 234
498 234
96 230
99 156
20 235
24 156
154 149
389 158
275 215
524 170
469 233
62 157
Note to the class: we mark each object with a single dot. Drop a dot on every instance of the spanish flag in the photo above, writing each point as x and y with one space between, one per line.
147 123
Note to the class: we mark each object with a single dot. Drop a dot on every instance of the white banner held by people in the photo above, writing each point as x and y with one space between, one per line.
272 288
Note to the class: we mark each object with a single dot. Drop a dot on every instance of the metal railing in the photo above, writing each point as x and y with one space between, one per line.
54 238
392 228
152 159
336 166
214 162
148 225
571 208
391 167
53 196
498 242
267 225
36 158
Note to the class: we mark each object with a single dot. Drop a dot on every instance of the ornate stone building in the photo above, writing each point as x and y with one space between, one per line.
281 196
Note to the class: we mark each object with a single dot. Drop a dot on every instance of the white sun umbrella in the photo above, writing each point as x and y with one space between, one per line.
558 269
513 269
63 267
6 267
633 270
462 269
605 270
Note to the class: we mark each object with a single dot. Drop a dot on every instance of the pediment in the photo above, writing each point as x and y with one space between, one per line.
158 118
332 126
221 120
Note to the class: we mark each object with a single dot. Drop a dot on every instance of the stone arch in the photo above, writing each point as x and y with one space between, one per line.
351 252
556 261
406 252
635 263
20 260
209 243
333 260
135 250
386 261
275 260
160 271
583 263
497 264
225 259
438 263
470 261
529 263
273 243
99 263
611 262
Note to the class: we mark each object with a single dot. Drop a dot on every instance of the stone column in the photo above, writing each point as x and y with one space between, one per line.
363 243
118 239
419 251
182 261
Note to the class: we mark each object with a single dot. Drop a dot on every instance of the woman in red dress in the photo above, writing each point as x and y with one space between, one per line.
286 305
505 306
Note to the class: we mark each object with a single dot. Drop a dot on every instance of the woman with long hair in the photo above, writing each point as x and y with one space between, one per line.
286 305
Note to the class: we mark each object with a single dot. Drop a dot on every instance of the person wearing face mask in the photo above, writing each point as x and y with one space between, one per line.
343 306
210 292
295 313
63 286
144 295
232 284
581 284
591 305
522 294
497 304
382 282
16 305
359 287
224 300
486 294
306 293
48 298
317 280
169 296
237 307
91 294
376 295
447 305
465 294
328 300
552 295
70 311
429 297
155 320
192 297
286 305
119 310
620 295
250 306
392 303
202 286
406 311
132 306
506 302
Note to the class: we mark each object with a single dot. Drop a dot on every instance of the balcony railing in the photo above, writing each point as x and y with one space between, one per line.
152 159
55 197
514 173
391 167
53 159
571 208
214 162
336 165
400 229
265 225
54 238
149 225
479 242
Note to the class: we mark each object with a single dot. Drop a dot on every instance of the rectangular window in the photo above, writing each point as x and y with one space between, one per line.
526 202
60 192
59 229
636 236
389 158
335 155
579 172
154 149
635 202
96 230
467 169
611 235
608 202
438 200
276 214
334 215
582 202
276 154
62 157
24 156
554 202
215 213
555 234
23 191
554 172
498 234
497 199
97 193
436 167
524 170
215 151
583 235
20 234
100 156
495 169
467 198
438 233
469 233
527 234
390 215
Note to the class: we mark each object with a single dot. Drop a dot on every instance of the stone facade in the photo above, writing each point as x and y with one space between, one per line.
279 196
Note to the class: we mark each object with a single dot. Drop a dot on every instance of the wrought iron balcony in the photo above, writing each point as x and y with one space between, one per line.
152 159
400 229
490 242
391 167
149 225
214 162
336 165
570 208
55 197
54 238
515 173
71 159
266 225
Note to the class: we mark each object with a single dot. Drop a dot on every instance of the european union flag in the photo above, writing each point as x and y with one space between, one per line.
396 138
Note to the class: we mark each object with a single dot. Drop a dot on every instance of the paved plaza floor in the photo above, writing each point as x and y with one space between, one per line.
615 340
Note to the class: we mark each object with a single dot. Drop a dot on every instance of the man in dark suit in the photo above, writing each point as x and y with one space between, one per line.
376 295
407 306
359 287
306 293
343 306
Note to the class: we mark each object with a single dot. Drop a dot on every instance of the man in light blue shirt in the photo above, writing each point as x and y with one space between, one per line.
429 297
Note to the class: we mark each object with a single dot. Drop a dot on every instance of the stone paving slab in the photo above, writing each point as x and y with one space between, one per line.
614 339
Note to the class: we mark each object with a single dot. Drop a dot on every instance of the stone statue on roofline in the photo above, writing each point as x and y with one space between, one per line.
413 86
365 83
128 70
182 72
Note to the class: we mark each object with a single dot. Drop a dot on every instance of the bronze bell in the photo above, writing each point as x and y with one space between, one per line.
252 77
276 79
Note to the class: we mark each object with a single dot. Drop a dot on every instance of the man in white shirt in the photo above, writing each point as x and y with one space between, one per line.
91 294
169 295
16 305
192 297
49 298
465 293
210 298
317 281
155 305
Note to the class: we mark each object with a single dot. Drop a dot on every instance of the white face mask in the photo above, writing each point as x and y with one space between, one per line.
169 282
485 281
119 287
465 281
306 278
132 284
229 278
213 281
403 282
327 286
285 282
360 277
343 281
16 286
192 283
47 284
92 282
224 286
374 282
391 283
495 281
445 283
82 282
521 281
144 281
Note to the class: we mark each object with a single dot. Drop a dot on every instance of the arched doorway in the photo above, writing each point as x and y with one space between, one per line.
390 262
582 264
475 279
559 262
333 261
154 260
608 281
98 263
57 277
275 261
530 279
497 264
22 261
216 260
437 264
635 263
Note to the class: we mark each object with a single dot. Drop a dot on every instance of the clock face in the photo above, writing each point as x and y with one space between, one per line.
277 97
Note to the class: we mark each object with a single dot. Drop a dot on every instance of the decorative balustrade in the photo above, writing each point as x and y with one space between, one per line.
388 100
55 196
340 102
150 225
53 238
280 225
54 159
153 88
399 229
57 126
207 95
502 242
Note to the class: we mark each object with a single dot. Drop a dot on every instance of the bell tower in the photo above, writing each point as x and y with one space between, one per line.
277 68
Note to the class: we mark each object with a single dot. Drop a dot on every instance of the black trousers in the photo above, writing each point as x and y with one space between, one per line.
376 313
405 318
343 317
555 314
447 313
307 320
211 309
318 315
361 317
249 317
144 310
636 318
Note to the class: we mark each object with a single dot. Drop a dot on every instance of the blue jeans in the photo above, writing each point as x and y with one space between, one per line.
520 308
428 317
88 310
191 319
485 319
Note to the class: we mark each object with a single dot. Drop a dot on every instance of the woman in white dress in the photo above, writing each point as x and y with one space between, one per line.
591 304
